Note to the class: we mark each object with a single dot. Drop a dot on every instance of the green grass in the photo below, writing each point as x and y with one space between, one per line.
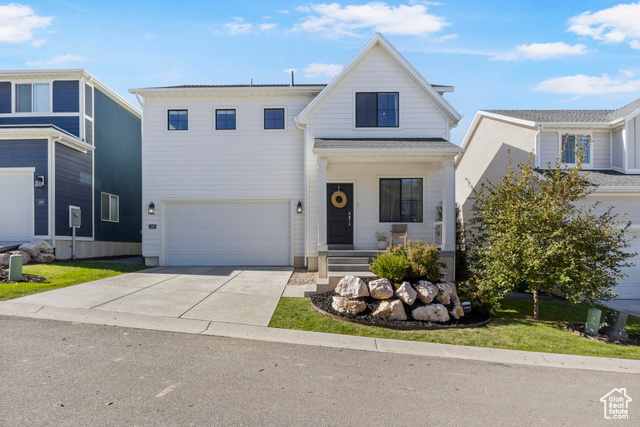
63 274
512 329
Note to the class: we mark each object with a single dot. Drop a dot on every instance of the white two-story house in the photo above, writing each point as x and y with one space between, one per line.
283 174
612 142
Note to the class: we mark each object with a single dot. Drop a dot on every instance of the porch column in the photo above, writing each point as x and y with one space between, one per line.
322 202
448 206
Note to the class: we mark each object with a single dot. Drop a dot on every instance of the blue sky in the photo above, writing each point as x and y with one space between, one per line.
498 54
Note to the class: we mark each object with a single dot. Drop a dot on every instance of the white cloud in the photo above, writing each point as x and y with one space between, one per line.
541 51
57 60
627 73
616 24
267 27
445 38
38 43
336 20
238 26
17 23
321 70
588 85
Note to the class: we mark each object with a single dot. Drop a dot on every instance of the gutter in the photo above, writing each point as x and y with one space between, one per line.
303 127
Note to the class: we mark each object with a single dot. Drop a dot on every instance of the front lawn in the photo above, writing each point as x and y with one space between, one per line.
513 328
63 274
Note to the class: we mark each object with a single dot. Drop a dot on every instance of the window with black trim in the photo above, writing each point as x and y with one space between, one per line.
225 119
178 120
32 98
401 199
377 109
274 118
110 207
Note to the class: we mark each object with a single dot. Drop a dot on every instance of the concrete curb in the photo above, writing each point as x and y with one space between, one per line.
261 333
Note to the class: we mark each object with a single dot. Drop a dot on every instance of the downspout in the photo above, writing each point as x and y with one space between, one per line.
306 190
537 145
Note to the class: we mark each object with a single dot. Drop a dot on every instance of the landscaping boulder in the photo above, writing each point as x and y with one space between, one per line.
381 289
44 257
456 311
352 287
44 246
391 310
426 290
431 313
4 259
406 293
446 292
26 258
348 306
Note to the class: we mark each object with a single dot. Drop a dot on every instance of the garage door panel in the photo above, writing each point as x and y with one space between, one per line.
227 233
629 288
16 206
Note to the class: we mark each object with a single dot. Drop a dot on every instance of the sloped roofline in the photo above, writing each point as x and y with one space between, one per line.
378 39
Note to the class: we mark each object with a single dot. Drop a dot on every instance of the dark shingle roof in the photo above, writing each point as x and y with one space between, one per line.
567 116
606 178
385 143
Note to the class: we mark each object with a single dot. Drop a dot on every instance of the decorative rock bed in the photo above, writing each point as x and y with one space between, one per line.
424 305
36 250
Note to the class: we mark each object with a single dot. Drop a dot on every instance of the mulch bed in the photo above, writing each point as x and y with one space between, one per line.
578 329
29 278
322 303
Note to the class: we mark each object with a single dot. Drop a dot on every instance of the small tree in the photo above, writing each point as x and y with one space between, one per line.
529 228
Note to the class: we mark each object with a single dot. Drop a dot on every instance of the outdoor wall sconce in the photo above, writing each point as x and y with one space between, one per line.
299 207
39 181
152 209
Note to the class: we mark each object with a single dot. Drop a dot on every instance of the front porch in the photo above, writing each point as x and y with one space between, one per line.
364 187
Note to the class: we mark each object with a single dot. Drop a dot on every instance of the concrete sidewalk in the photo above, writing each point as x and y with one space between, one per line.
238 302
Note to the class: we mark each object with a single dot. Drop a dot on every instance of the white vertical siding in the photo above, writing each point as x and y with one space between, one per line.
549 148
617 150
600 148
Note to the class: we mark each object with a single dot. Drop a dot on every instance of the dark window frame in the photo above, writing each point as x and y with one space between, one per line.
235 124
372 110
271 123
178 121
110 198
416 211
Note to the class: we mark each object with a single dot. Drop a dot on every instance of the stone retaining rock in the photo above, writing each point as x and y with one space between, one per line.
431 313
381 289
348 306
426 290
406 293
352 287
446 292
391 310
44 257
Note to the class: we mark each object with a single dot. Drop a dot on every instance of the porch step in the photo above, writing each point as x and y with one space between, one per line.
351 253
334 260
330 283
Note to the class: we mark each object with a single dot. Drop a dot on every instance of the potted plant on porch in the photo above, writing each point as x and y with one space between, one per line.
381 237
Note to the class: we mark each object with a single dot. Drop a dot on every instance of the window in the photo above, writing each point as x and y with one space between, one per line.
110 207
225 119
32 98
274 118
569 145
178 120
377 109
401 200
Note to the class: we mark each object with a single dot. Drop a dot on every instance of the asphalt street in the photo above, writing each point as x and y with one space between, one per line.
69 374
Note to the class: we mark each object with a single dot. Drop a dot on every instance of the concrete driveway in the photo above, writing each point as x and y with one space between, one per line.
241 295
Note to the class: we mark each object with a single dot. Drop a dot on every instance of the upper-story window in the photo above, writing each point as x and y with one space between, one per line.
377 109
178 120
274 118
225 119
32 98
569 144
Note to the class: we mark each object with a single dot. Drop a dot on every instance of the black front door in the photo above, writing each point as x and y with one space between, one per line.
340 214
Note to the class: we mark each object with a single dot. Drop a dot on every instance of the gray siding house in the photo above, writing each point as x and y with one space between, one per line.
612 141
68 141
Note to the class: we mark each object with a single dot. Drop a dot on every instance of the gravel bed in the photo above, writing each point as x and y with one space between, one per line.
322 303
578 329
301 276
31 278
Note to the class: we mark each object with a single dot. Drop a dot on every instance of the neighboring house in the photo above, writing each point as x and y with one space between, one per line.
67 140
612 141
283 174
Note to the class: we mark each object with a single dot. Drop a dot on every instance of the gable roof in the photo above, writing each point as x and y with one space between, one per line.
379 40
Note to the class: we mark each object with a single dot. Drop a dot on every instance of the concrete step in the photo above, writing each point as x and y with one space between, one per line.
348 267
354 253
334 260
335 276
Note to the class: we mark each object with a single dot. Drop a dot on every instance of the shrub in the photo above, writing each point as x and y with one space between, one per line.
391 266
423 261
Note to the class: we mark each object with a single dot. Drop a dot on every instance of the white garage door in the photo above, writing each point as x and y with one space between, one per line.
629 288
16 206
227 233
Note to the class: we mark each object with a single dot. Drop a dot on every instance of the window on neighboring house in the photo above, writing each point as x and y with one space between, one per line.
225 119
274 118
32 98
178 120
569 145
110 207
401 200
375 109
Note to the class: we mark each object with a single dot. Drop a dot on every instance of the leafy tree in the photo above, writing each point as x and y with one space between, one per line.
528 227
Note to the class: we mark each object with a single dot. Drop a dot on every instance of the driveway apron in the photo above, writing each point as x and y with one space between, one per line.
242 295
